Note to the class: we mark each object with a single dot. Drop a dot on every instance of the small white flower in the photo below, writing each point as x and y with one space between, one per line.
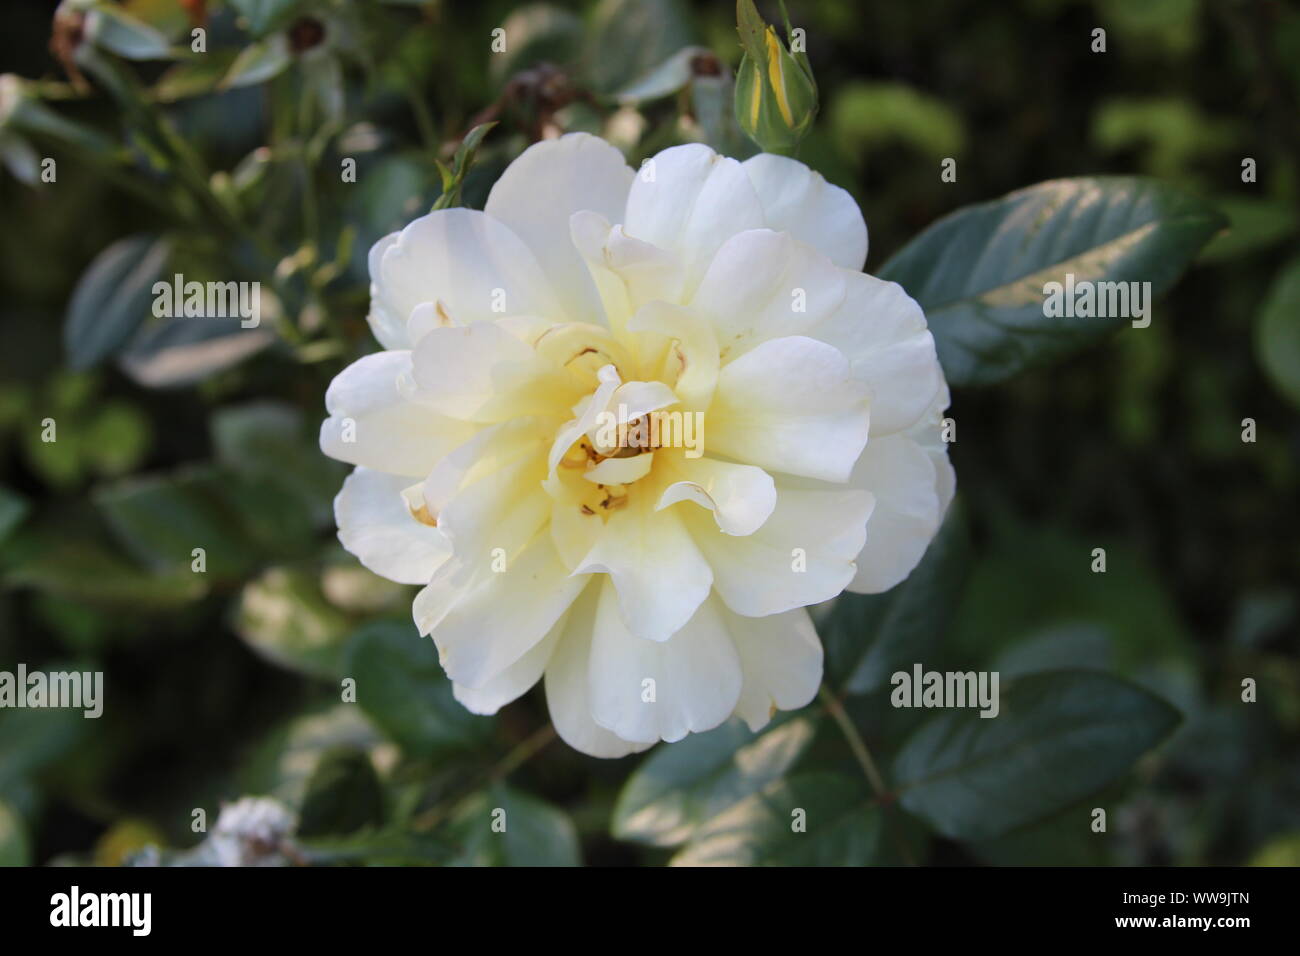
252 831
656 591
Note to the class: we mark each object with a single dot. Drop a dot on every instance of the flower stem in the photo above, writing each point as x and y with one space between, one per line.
523 751
855 742
863 756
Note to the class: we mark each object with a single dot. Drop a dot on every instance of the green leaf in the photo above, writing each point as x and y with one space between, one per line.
401 686
195 77
629 37
84 571
283 616
161 519
264 15
181 351
537 33
1066 839
840 828
15 850
1059 737
1277 333
711 104
387 847
453 178
268 443
13 509
112 298
283 763
980 272
20 158
31 739
663 79
1254 225
506 827
680 788
343 795
116 31
870 636
258 62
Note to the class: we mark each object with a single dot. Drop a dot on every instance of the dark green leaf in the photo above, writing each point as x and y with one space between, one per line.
664 79
840 828
161 519
343 795
112 298
284 617
1059 737
680 788
1277 333
1254 224
534 34
267 442
400 684
629 37
377 847
84 571
258 62
505 827
120 33
264 15
13 508
15 850
34 738
282 764
870 636
979 273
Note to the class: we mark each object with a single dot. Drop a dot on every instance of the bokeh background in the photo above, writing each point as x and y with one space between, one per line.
226 684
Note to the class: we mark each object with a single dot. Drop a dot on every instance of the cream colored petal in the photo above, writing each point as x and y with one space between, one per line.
542 189
372 423
568 687
781 658
377 526
799 201
790 405
647 690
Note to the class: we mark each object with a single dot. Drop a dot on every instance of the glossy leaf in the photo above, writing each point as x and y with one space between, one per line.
839 827
343 795
112 298
870 636
1059 737
980 272
506 827
401 686
284 618
680 788
1277 333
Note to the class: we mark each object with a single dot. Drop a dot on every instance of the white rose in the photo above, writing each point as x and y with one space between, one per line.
657 592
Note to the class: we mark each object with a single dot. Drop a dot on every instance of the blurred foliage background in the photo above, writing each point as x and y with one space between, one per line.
172 433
